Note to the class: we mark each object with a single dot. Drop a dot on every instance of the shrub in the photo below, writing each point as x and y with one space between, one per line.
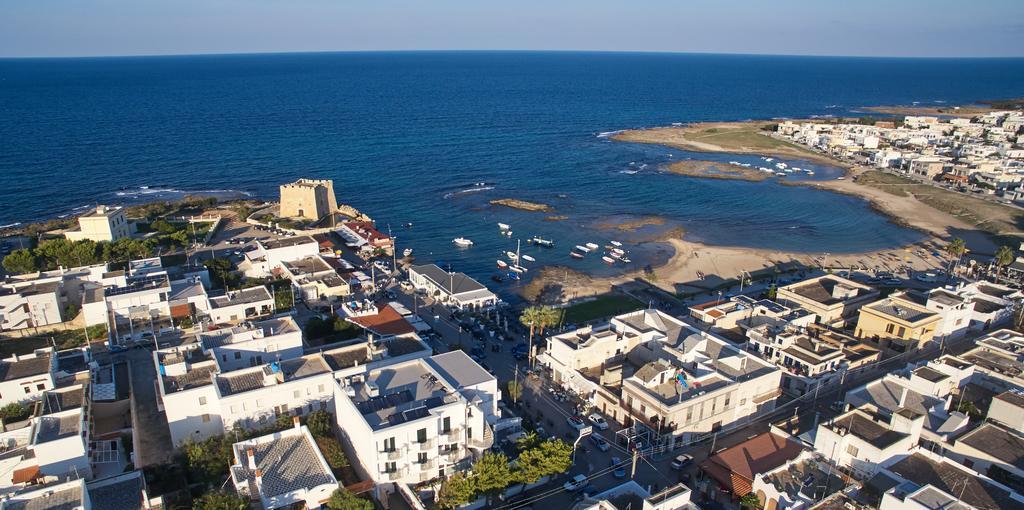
332 452
342 499
319 423
220 500
14 411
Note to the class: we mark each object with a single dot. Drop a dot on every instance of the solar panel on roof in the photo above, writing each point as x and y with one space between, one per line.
387 401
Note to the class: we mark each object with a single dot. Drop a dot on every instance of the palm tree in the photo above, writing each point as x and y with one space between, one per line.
956 248
538 318
1003 257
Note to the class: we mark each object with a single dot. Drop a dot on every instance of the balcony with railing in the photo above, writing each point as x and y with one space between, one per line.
398 474
425 466
425 445
450 436
395 454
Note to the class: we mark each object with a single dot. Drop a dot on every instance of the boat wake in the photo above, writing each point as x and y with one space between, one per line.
145 191
10 225
476 188
608 134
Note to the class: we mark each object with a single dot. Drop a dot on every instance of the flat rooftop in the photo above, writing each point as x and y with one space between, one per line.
860 424
307 265
901 311
141 284
241 297
821 290
930 374
247 332
52 428
405 392
995 362
286 242
953 480
274 373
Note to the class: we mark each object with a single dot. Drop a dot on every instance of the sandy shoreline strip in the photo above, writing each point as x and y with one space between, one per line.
720 263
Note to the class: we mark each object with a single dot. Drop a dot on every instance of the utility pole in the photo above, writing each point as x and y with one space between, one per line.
515 384
636 455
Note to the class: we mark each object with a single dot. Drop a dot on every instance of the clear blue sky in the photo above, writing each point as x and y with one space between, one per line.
990 28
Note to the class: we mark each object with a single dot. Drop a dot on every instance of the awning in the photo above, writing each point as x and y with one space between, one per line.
25 475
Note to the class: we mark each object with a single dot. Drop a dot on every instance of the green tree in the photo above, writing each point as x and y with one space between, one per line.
21 261
56 252
1004 256
456 491
221 269
515 390
126 249
208 459
179 238
220 500
332 452
14 411
319 423
545 459
528 441
749 500
342 499
956 247
537 318
491 473
163 227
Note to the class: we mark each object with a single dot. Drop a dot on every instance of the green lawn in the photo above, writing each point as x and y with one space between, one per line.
602 307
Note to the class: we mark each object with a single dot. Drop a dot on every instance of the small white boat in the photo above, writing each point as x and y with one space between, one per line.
575 254
615 255
502 264
625 260
517 268
618 251
810 172
508 233
406 252
592 246
540 241
781 174
529 258
769 160
504 226
615 243
462 242
608 260
512 256
583 249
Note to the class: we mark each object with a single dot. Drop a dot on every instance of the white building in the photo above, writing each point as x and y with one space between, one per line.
270 254
454 289
103 224
283 469
862 441
252 344
631 496
26 377
807 362
832 298
241 305
418 420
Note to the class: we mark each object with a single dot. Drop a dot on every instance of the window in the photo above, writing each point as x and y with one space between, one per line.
421 457
689 414
902 332
40 387
726 405
390 467
202 401
238 355
421 436
469 432
446 425
231 409
224 357
889 328
389 444
643 409
852 450
28 389
743 401
206 418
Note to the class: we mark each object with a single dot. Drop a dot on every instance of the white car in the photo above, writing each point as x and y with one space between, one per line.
576 483
682 461
576 422
598 422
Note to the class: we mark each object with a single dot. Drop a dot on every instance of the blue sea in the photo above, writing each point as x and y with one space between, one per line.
431 137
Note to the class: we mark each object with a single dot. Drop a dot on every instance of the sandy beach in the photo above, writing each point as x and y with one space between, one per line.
720 263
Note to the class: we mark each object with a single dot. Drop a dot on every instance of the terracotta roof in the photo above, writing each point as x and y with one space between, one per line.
25 475
387 321
736 467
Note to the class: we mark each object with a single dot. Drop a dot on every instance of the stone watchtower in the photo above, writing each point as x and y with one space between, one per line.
308 198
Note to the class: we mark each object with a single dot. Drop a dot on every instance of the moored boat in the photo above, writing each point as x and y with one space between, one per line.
529 258
615 243
512 256
583 249
608 259
502 264
540 241
406 252
592 246
517 268
462 242
504 226
575 254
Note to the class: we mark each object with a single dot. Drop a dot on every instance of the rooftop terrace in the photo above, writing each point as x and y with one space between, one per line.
401 393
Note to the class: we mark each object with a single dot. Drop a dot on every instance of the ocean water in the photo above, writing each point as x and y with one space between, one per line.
429 138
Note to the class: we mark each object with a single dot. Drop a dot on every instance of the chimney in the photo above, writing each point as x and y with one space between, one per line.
259 478
251 455
295 422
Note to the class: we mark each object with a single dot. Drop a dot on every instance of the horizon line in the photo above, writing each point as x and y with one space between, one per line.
625 52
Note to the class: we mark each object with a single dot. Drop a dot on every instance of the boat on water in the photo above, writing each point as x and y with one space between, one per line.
625 260
592 246
615 255
618 251
504 226
781 174
462 242
406 252
517 268
502 264
540 241
512 256
608 259
583 249
810 172
529 258
507 233
615 243
575 254
512 276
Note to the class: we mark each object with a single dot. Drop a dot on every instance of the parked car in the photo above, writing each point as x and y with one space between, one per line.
576 422
620 471
598 421
576 483
682 461
599 442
